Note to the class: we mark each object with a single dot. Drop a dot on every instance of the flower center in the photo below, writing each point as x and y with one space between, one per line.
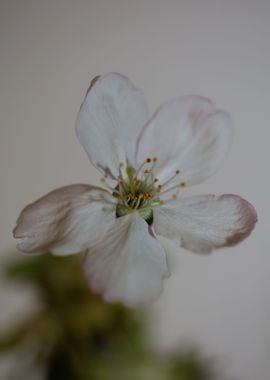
136 192
139 190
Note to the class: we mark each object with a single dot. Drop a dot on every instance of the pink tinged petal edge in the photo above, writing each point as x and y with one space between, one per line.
204 223
109 121
63 221
189 134
247 219
128 265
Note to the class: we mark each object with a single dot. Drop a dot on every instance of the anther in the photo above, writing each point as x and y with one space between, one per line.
177 172
150 170
141 167
183 184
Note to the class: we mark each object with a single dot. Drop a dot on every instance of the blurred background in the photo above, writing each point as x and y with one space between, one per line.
214 311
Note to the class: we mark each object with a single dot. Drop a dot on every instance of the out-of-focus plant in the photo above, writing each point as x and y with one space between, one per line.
75 335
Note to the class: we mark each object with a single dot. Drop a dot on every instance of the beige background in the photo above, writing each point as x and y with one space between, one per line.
49 51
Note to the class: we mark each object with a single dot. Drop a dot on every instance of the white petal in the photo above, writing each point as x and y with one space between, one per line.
172 249
188 134
108 124
128 265
206 222
65 220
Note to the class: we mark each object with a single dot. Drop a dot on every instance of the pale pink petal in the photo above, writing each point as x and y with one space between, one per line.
189 134
128 265
111 117
206 222
65 220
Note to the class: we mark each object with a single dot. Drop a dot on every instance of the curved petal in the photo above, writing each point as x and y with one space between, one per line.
65 220
206 222
188 134
172 249
128 265
110 120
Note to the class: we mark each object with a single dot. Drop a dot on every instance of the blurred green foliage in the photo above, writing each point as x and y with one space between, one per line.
75 335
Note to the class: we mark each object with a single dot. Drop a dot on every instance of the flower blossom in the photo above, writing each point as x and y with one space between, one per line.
125 227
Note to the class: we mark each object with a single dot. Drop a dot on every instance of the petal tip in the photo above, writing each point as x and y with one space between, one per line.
15 232
247 219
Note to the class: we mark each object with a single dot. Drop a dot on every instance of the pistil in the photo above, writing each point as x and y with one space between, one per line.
140 190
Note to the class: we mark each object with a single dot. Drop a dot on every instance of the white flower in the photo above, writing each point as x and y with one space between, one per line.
145 163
